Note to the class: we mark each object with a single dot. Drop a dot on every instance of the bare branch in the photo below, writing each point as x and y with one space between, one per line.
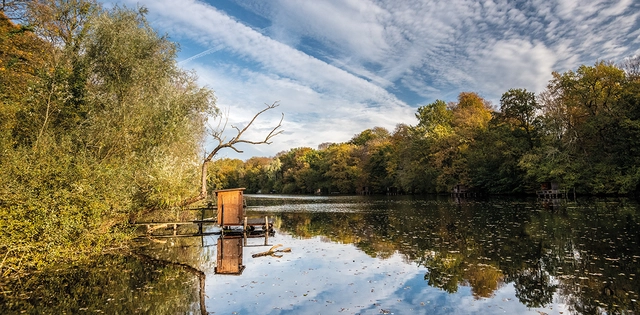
238 137
222 143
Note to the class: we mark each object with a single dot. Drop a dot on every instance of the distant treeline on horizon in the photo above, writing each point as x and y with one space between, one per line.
582 132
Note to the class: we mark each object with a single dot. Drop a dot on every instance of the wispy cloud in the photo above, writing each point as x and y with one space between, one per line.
341 66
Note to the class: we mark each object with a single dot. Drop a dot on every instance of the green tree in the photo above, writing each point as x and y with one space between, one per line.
589 123
295 167
369 135
443 136
519 108
343 170
224 174
435 120
374 152
255 177
108 127
494 157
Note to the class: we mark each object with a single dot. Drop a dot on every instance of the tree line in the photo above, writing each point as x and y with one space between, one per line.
582 132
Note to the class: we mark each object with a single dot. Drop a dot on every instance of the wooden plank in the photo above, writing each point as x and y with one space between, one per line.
211 220
258 221
181 235
177 223
249 222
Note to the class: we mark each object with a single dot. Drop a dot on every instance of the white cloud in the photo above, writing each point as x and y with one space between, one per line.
315 277
311 117
336 65
513 64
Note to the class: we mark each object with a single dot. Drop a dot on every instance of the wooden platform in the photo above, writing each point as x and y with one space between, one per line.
552 193
247 224
228 215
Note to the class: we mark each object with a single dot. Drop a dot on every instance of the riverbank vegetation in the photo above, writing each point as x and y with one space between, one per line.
582 132
97 124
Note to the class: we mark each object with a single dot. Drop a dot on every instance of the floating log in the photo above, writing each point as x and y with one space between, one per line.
273 251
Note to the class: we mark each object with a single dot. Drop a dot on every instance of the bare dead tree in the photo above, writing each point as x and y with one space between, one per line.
217 134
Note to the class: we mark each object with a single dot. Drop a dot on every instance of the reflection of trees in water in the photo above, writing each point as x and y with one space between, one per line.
597 256
368 232
587 253
483 279
197 252
113 284
533 287
445 272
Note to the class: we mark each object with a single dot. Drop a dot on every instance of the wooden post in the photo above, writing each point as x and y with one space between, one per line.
266 230
244 236
200 231
244 231
203 305
221 223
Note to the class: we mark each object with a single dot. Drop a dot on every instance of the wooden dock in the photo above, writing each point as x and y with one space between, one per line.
228 213
463 191
247 224
552 193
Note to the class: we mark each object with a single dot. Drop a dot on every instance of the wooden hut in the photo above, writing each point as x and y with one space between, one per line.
230 206
229 258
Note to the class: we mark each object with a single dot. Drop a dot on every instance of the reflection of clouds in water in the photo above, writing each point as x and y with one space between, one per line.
320 277
316 277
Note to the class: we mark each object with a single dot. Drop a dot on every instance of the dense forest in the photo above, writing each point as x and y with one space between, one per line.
582 132
97 125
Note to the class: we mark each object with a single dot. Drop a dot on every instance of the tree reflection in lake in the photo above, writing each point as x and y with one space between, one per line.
373 255
585 254
113 285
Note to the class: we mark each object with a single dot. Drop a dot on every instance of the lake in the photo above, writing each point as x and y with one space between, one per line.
373 255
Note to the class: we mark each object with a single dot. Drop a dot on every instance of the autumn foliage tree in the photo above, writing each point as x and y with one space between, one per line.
582 132
98 125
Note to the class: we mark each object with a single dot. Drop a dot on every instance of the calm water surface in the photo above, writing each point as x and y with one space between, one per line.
379 255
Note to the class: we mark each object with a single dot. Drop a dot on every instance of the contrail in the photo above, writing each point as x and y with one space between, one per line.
204 53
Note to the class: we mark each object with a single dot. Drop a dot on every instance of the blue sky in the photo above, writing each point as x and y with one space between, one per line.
341 66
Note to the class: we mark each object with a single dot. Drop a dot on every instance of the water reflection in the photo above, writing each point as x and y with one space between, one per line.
230 249
583 255
374 255
113 285
229 258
